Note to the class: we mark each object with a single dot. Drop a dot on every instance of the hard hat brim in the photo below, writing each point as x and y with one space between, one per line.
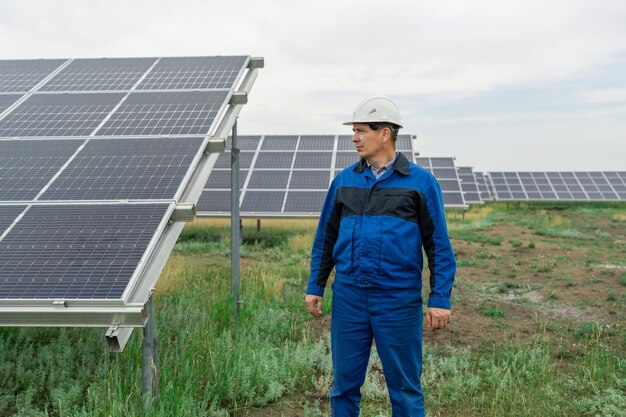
370 121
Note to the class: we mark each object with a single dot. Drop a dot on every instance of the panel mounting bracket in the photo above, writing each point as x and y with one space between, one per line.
256 62
184 213
238 98
216 145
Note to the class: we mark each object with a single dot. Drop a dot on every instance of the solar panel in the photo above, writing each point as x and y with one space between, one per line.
59 114
97 173
245 160
76 252
483 187
313 160
7 100
316 143
445 172
471 194
274 160
27 166
126 169
293 170
24 74
215 201
99 74
194 73
269 180
244 143
166 113
316 180
221 179
263 201
8 214
279 143
305 202
572 186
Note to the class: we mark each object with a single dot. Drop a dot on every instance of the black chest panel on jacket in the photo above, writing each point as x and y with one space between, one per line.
404 203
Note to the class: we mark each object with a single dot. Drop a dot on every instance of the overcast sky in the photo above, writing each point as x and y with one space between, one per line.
501 85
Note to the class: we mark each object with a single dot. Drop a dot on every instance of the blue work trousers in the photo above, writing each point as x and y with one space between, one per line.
393 318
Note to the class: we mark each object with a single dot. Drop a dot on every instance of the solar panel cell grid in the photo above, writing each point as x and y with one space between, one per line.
268 180
7 100
244 143
27 166
245 160
23 75
263 201
345 159
313 160
304 202
316 143
129 169
169 113
59 114
215 201
220 178
279 143
192 73
8 214
99 74
76 252
312 180
275 160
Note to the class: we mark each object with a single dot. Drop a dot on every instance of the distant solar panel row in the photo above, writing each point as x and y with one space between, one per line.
283 175
444 170
471 194
580 186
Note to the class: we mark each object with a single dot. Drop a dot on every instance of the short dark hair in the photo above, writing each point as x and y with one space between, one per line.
392 127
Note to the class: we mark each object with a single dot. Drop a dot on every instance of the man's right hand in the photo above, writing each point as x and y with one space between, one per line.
314 304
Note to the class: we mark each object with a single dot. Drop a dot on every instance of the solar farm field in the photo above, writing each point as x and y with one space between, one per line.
538 328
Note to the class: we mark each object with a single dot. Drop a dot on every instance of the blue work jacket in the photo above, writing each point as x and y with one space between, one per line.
373 230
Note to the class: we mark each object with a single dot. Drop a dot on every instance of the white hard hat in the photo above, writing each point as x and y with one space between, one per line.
376 110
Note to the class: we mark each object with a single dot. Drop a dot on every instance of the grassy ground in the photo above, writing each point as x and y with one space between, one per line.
539 328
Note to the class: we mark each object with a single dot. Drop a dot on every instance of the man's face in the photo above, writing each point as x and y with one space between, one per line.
368 142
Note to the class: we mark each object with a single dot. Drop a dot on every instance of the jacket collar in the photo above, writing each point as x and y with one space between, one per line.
401 165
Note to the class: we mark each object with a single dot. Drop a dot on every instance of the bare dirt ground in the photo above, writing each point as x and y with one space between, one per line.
528 285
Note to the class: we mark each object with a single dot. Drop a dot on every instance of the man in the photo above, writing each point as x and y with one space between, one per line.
376 217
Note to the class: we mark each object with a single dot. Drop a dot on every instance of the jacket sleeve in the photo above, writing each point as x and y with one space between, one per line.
438 249
322 262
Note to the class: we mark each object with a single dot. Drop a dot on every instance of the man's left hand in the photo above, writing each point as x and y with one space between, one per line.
437 318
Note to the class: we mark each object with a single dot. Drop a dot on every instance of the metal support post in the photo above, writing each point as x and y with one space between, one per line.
149 360
235 224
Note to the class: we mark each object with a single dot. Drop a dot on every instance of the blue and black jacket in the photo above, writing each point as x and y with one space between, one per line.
372 231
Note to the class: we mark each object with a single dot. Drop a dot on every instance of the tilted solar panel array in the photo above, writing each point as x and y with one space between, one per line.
551 186
444 170
95 157
483 187
471 194
284 175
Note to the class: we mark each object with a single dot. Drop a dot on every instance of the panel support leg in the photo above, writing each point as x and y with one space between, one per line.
235 222
149 361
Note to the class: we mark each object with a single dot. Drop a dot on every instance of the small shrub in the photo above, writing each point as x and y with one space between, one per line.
622 278
494 312
516 243
531 245
612 296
